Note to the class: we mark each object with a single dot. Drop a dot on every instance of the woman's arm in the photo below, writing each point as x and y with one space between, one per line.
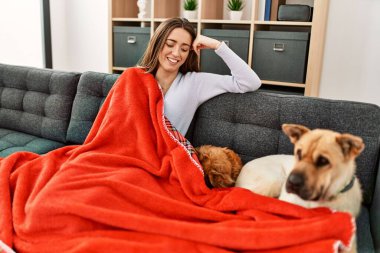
203 42
242 78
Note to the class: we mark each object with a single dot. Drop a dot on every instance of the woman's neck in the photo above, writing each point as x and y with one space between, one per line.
165 79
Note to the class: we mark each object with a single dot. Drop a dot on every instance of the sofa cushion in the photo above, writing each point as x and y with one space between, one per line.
13 141
36 101
250 124
92 89
365 240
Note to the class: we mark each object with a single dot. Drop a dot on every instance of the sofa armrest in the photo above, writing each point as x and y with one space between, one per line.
375 212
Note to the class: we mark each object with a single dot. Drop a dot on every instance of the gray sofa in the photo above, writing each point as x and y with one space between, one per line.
41 110
35 108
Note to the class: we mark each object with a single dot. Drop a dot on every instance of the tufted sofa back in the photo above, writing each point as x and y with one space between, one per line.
36 101
250 124
93 88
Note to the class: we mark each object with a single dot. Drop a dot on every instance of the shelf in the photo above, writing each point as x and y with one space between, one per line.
119 68
286 23
131 19
287 84
163 19
224 21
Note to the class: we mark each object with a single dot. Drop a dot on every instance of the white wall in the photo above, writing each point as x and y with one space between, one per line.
351 67
80 35
21 40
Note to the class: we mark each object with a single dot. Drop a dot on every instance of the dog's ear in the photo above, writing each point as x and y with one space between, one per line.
219 179
294 131
236 163
202 156
233 157
351 145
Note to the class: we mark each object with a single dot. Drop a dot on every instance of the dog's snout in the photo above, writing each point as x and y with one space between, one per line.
295 182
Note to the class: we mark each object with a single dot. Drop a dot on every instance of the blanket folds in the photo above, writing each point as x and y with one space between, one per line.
133 187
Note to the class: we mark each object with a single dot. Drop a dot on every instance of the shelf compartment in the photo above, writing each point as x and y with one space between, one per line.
166 9
212 9
281 56
129 44
236 40
124 9
286 90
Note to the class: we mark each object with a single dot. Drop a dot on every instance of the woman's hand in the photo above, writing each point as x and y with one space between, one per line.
202 42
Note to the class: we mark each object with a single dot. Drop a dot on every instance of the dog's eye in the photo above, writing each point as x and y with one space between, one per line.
322 161
299 154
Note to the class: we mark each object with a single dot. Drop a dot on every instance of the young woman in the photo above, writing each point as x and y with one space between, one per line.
172 57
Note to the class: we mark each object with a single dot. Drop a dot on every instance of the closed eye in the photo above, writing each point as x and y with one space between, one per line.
322 161
170 44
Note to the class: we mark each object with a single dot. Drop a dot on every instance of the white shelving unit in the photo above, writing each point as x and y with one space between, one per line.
210 15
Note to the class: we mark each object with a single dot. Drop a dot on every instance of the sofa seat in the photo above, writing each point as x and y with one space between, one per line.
13 141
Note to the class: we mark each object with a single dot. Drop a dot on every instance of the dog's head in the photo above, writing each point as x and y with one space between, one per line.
325 161
221 165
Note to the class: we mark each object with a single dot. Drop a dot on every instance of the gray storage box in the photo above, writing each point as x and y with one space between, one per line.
129 44
237 40
280 56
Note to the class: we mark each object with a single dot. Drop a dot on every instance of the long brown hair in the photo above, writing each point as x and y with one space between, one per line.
150 62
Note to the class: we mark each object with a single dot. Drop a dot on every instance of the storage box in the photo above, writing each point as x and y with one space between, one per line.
129 44
237 40
280 56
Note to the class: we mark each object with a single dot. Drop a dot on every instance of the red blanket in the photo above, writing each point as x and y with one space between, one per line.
134 187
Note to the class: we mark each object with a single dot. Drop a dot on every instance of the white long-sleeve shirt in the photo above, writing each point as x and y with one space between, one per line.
189 91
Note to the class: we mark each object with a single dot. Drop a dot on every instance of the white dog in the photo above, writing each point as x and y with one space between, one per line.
320 173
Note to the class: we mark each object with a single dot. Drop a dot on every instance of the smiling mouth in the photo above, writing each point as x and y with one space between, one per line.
171 60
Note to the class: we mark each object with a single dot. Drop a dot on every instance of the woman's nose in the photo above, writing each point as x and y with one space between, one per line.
176 51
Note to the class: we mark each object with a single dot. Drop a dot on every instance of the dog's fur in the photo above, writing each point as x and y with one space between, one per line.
221 165
322 166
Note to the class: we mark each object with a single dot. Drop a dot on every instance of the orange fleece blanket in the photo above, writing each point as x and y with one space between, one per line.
134 187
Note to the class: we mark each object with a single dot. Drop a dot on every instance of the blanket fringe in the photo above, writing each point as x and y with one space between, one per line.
340 246
176 140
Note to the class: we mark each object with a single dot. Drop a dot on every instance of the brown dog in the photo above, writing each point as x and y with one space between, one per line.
221 165
321 172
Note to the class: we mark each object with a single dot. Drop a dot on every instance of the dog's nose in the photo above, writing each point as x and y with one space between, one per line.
295 182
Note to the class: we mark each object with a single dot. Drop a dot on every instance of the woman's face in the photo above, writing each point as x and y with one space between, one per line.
175 51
